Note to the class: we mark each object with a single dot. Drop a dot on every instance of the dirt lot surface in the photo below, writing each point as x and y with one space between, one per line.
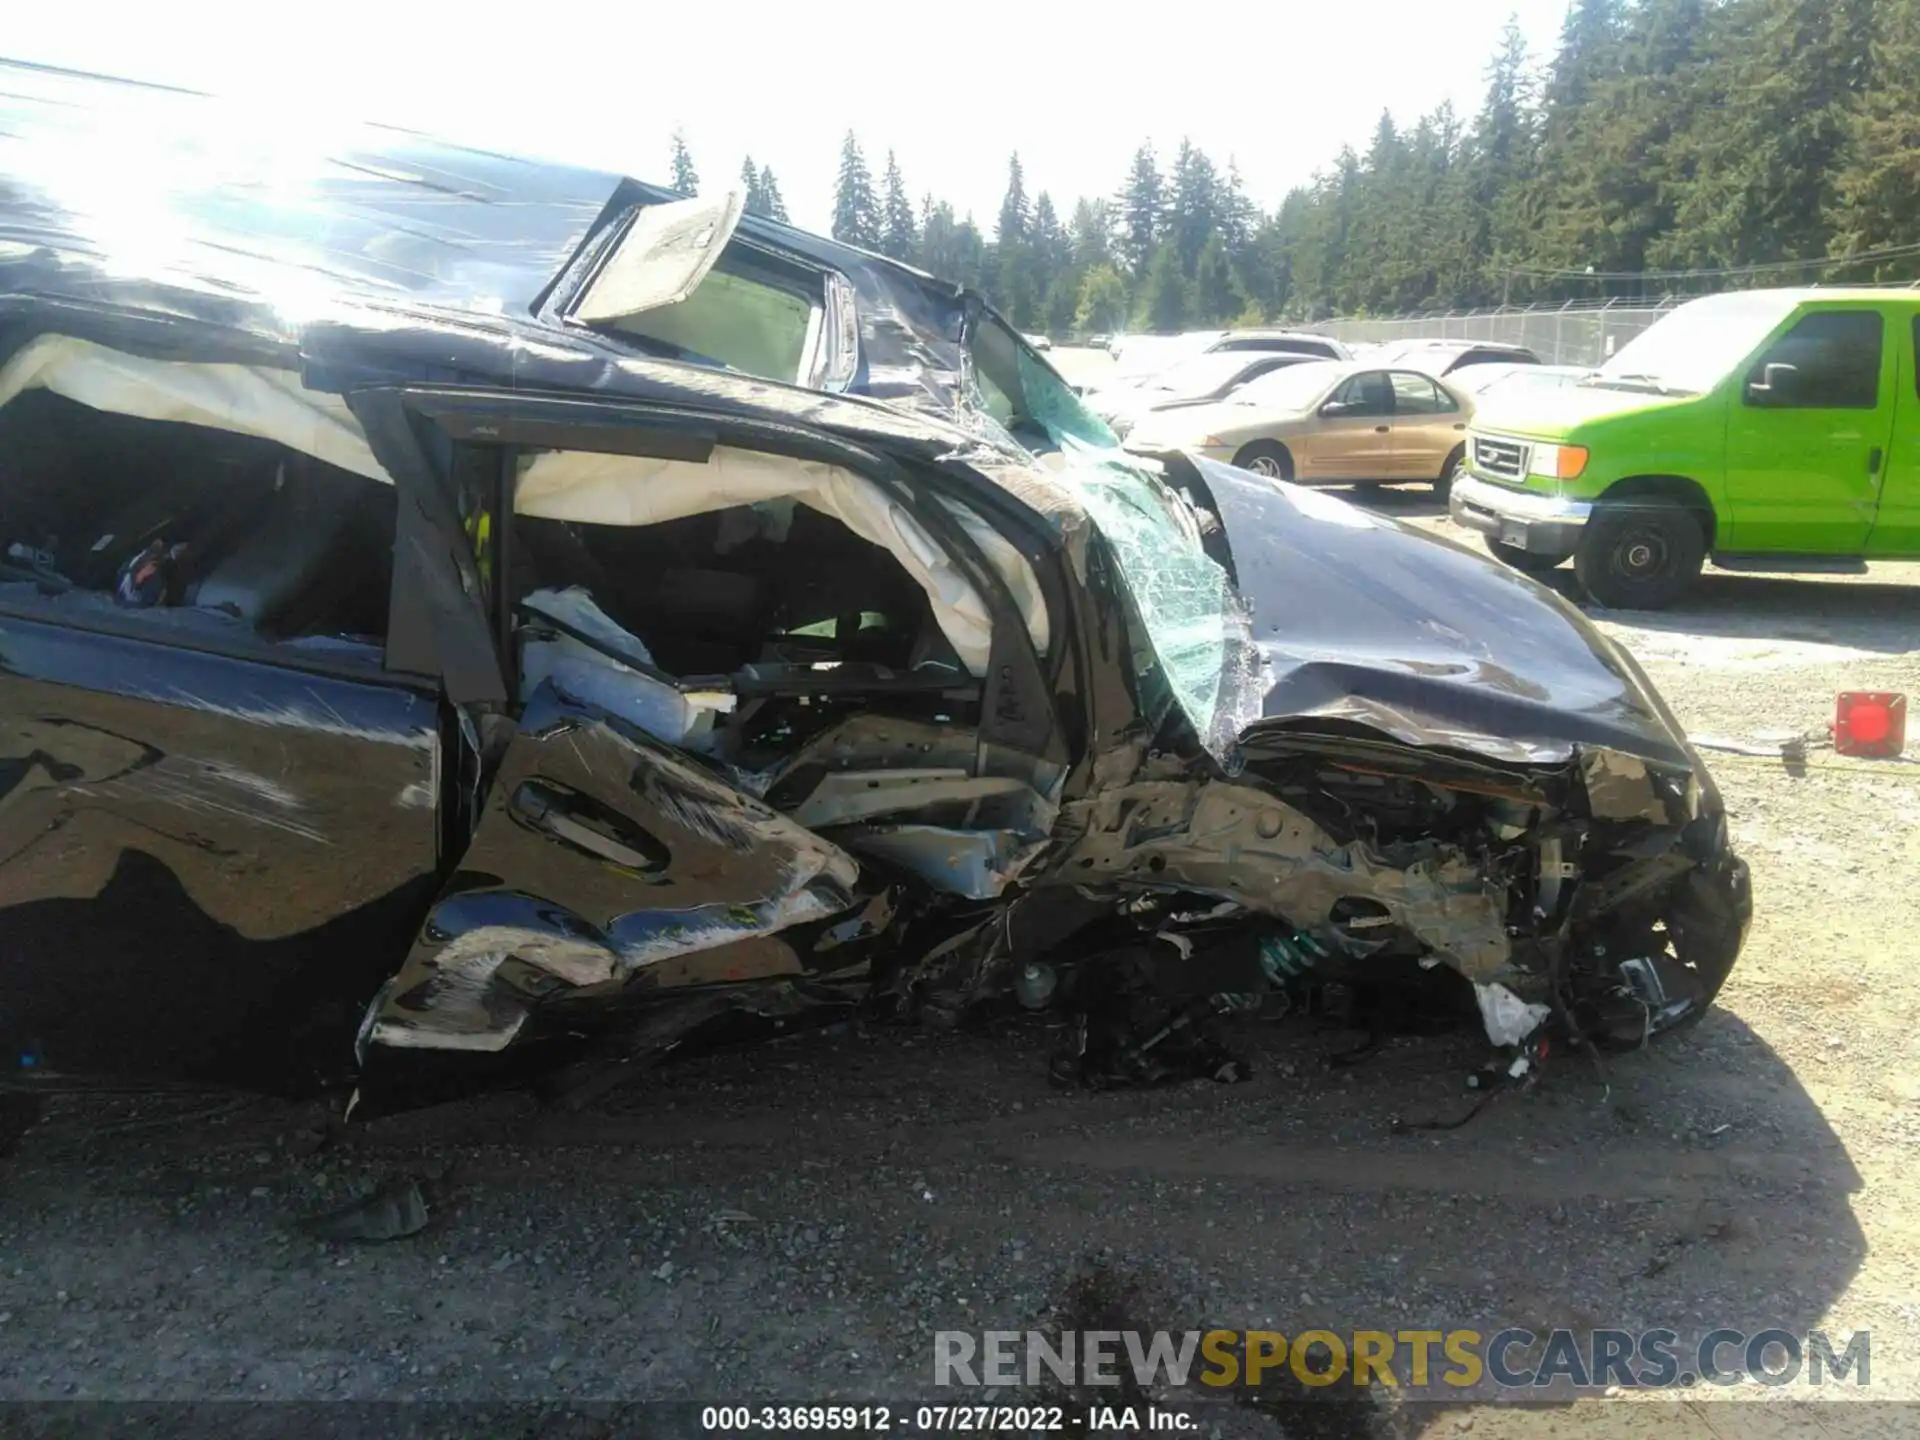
796 1221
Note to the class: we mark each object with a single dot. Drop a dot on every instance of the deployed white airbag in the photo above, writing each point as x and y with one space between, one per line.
243 399
588 487
570 485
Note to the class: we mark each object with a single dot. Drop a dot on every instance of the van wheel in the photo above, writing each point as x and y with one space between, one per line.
1443 487
1530 561
1266 457
1640 554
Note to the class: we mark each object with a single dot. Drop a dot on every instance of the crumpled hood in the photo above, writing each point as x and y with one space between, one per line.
1361 618
1549 413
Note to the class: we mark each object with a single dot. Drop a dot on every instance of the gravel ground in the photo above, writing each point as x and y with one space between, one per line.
795 1221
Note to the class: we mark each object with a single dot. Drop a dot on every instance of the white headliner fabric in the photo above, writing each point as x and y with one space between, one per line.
247 401
557 485
587 487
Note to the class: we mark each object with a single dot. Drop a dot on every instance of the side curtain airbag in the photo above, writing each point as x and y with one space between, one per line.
601 489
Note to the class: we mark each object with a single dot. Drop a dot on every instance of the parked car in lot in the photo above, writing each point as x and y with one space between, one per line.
1770 429
1038 342
434 648
1448 357
1195 381
1324 421
1297 342
1479 380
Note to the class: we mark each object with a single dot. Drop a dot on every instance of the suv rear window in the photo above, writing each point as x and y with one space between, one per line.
738 318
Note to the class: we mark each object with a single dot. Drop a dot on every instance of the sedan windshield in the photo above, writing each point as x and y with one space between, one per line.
1293 388
1698 345
1201 378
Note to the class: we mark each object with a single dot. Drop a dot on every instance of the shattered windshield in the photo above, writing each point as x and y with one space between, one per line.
1183 609
1034 405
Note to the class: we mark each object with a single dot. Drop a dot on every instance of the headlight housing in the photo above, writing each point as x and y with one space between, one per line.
1557 462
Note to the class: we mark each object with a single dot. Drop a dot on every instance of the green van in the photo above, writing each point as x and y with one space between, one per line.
1771 429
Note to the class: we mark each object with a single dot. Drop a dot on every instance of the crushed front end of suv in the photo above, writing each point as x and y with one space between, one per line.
449 629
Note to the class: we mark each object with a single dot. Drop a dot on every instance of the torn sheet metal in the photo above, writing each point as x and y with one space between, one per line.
599 896
1626 787
1251 847
849 797
974 864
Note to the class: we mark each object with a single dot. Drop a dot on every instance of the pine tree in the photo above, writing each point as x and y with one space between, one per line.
1501 164
1011 228
899 234
856 218
1236 216
1141 207
1878 188
1377 258
1091 233
1192 218
1566 192
1217 297
756 200
1103 300
1771 130
685 178
1052 250
939 250
1163 300
776 208
1058 310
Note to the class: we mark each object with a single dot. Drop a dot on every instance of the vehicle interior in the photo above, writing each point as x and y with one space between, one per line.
739 632
187 525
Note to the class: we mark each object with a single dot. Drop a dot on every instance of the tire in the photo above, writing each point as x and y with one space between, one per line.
1443 487
1527 560
1266 457
1640 554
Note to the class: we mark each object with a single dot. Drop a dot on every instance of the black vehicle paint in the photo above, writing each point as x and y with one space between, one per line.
441 317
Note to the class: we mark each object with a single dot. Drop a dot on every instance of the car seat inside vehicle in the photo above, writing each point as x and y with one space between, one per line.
781 607
168 515
709 594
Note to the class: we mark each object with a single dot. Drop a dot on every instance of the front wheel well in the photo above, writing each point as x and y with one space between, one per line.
1688 493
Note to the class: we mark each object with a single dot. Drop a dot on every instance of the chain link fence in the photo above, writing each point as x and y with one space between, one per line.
1569 334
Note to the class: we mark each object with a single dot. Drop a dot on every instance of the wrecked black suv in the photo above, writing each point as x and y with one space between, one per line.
440 641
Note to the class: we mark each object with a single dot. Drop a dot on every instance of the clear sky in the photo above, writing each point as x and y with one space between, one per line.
951 88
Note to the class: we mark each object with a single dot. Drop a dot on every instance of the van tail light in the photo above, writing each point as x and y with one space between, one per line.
1870 724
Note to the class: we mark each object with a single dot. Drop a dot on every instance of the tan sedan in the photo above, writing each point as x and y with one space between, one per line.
1326 422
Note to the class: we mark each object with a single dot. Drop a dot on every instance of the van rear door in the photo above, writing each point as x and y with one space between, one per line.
1807 434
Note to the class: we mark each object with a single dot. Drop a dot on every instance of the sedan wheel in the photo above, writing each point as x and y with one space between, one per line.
1265 457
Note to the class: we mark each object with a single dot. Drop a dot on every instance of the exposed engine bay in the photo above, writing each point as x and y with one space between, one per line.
1339 863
